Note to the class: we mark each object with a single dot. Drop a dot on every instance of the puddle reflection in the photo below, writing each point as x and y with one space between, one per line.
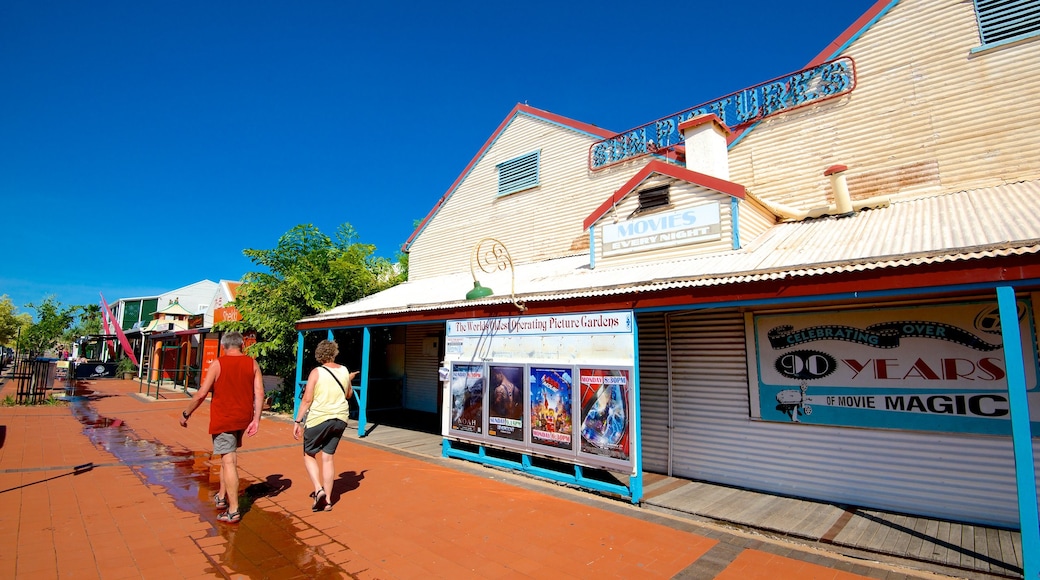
263 544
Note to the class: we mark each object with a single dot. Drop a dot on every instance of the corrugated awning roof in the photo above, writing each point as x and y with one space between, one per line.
968 225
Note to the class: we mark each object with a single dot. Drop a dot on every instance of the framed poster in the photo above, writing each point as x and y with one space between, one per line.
467 398
506 403
551 410
605 403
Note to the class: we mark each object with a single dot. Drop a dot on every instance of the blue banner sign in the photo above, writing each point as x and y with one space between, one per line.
826 81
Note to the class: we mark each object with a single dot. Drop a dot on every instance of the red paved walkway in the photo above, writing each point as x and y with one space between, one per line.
394 516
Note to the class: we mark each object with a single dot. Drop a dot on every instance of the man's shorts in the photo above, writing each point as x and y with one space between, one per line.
324 436
227 442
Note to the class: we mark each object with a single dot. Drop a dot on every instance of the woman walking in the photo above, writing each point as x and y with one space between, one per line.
322 418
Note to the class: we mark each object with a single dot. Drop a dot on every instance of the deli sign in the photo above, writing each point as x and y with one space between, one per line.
930 368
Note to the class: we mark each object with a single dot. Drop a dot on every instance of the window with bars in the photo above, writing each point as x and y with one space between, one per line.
518 174
1006 20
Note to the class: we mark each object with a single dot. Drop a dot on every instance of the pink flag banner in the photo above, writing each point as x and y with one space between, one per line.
123 342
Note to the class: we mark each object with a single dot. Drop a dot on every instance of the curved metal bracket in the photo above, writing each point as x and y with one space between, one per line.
491 255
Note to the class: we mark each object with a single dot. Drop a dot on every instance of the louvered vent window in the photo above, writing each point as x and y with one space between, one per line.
518 174
654 197
1003 20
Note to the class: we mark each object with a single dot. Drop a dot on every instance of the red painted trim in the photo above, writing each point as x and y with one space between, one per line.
519 108
669 170
854 29
701 120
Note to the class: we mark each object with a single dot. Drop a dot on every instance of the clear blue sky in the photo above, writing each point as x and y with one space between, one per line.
144 144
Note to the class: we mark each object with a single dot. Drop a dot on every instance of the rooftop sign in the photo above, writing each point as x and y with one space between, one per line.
812 85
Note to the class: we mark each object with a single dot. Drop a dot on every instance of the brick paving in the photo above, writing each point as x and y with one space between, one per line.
113 487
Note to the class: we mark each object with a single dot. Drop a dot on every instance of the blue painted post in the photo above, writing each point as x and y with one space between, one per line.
1021 437
366 348
635 482
297 392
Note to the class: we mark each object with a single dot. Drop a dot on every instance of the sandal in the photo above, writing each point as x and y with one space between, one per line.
220 502
229 517
320 501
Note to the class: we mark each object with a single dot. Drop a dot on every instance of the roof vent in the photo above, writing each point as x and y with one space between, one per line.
842 199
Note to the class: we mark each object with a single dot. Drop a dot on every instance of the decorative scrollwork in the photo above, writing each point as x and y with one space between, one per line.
491 255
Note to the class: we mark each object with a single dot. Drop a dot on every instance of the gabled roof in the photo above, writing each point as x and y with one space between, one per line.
835 48
174 308
519 109
667 169
994 222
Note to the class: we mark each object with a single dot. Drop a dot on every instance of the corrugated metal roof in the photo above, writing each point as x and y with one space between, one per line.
968 225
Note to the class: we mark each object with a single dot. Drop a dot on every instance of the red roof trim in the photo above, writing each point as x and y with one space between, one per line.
703 119
857 28
660 167
831 51
519 108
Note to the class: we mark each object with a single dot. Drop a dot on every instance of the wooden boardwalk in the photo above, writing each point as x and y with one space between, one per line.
951 548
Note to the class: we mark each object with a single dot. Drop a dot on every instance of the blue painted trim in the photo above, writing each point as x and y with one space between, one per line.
998 44
1021 436
635 482
831 56
526 466
862 30
592 248
299 374
902 292
734 210
362 391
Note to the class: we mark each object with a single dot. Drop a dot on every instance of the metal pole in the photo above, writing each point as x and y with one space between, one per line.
1021 437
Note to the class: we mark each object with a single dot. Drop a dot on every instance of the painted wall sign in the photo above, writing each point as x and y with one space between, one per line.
928 368
692 225
812 85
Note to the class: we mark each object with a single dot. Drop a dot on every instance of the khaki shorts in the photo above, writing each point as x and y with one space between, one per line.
227 442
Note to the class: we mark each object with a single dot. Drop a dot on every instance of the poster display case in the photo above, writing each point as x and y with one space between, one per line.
560 387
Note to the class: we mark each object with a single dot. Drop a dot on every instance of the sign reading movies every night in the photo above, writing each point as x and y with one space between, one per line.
927 368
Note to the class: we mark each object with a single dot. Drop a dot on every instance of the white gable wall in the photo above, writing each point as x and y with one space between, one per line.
926 116
535 224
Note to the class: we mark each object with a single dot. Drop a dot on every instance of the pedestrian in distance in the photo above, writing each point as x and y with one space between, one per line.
238 399
322 418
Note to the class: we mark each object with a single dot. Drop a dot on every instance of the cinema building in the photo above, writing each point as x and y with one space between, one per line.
824 285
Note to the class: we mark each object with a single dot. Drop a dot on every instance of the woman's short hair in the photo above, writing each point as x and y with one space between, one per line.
232 340
326 351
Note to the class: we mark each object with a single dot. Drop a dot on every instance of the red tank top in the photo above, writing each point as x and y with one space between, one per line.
232 406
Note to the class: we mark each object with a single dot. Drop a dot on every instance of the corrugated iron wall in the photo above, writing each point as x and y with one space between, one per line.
420 368
926 116
536 224
967 478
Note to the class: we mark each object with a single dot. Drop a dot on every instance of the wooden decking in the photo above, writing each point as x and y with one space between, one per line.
951 548
976 551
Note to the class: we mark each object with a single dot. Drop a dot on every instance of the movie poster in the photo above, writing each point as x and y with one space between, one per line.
467 398
605 412
551 422
506 402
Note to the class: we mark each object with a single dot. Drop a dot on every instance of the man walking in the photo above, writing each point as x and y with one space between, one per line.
238 398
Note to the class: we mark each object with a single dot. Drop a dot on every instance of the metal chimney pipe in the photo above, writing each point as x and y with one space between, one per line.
842 199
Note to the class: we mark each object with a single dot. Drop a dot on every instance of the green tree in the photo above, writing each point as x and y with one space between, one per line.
306 273
52 320
88 321
10 321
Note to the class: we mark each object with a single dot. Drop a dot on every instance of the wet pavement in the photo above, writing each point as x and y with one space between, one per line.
108 485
